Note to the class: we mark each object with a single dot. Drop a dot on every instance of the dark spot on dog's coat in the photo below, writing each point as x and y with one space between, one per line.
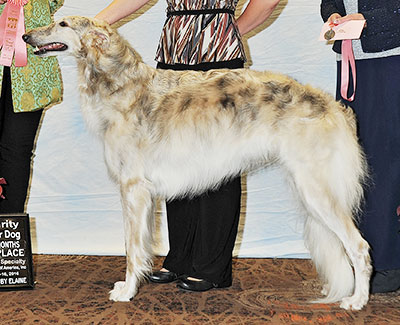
227 101
318 102
185 104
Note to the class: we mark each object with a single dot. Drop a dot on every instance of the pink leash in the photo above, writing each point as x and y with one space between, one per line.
347 58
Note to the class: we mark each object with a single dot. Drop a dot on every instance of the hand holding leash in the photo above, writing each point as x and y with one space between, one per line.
346 29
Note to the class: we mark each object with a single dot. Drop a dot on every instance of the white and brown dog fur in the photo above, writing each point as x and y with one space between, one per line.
167 134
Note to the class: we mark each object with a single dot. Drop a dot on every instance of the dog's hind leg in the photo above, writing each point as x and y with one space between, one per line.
329 183
335 245
138 213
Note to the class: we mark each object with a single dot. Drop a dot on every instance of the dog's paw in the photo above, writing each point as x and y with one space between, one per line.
354 302
121 292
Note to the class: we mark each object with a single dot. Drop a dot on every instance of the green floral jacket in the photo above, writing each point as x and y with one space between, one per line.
38 84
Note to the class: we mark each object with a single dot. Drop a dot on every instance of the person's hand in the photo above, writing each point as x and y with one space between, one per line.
340 20
333 18
2 2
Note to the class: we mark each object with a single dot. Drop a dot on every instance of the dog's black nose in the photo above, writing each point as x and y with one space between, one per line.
26 37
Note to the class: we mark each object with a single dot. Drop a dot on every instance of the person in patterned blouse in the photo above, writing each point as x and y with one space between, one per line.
200 35
25 93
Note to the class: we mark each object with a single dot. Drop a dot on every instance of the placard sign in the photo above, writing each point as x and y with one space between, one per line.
16 270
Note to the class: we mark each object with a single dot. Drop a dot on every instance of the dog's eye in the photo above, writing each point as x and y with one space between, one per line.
63 24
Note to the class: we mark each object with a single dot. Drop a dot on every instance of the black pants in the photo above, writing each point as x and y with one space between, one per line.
17 136
202 230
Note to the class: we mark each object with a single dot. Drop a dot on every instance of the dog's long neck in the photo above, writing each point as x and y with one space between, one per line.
107 69
113 80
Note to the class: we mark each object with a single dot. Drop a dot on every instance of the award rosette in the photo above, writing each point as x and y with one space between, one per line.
2 182
12 27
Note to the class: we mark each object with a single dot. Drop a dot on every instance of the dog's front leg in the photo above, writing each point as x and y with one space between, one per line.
137 207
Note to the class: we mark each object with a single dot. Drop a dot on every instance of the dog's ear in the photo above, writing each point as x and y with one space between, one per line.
98 39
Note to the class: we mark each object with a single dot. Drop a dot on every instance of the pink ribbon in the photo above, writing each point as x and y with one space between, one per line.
12 27
2 182
347 58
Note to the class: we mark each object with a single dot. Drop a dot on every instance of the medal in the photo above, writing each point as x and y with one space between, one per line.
329 34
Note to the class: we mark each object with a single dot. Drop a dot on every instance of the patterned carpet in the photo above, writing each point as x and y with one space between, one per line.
73 290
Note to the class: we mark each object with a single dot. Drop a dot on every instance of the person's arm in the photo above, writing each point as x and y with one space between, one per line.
119 9
337 19
256 12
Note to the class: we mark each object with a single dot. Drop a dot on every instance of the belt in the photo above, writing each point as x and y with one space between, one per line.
200 12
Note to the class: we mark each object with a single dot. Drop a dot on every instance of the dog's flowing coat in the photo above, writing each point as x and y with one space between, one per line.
169 133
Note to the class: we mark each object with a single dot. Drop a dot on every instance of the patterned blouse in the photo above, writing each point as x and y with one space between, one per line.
196 37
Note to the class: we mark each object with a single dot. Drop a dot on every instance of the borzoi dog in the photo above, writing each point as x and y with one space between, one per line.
168 134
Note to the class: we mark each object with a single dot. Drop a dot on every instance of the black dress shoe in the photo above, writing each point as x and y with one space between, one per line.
191 285
163 277
385 281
